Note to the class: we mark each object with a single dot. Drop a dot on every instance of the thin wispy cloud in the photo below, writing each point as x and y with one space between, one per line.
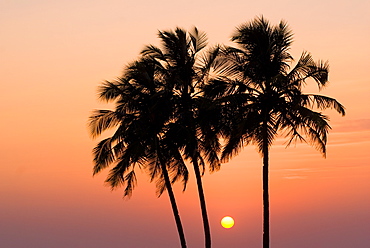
295 177
299 169
351 126
297 173
349 138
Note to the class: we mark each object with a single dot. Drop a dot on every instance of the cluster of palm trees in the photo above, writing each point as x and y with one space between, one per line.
181 102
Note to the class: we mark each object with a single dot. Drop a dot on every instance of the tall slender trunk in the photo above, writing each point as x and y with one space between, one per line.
175 210
171 195
265 183
207 231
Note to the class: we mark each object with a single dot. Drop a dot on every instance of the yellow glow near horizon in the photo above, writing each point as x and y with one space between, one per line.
227 222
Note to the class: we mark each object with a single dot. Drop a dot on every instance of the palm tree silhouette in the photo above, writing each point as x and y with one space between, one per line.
185 68
263 96
140 115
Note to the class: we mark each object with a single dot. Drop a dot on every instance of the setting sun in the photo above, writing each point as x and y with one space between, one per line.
227 222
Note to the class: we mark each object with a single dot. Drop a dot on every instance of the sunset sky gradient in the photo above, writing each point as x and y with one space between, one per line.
54 55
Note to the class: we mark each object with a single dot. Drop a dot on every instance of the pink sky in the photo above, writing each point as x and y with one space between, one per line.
54 54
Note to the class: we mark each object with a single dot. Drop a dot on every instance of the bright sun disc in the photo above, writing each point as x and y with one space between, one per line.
227 222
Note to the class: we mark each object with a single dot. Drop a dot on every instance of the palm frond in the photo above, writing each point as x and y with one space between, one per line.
315 126
103 155
199 39
155 168
205 63
102 120
234 144
116 176
288 122
178 168
110 91
320 73
160 186
153 51
297 75
180 172
131 181
325 102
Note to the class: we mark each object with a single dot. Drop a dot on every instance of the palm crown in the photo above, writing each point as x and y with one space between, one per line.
259 87
139 116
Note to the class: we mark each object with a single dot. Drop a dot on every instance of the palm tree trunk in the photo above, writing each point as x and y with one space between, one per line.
207 231
265 182
175 210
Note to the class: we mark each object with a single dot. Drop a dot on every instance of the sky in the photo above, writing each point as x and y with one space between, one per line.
54 55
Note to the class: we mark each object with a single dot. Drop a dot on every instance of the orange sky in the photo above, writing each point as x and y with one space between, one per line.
54 54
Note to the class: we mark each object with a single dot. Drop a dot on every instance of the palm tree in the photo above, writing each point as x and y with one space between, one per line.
185 69
140 114
264 97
